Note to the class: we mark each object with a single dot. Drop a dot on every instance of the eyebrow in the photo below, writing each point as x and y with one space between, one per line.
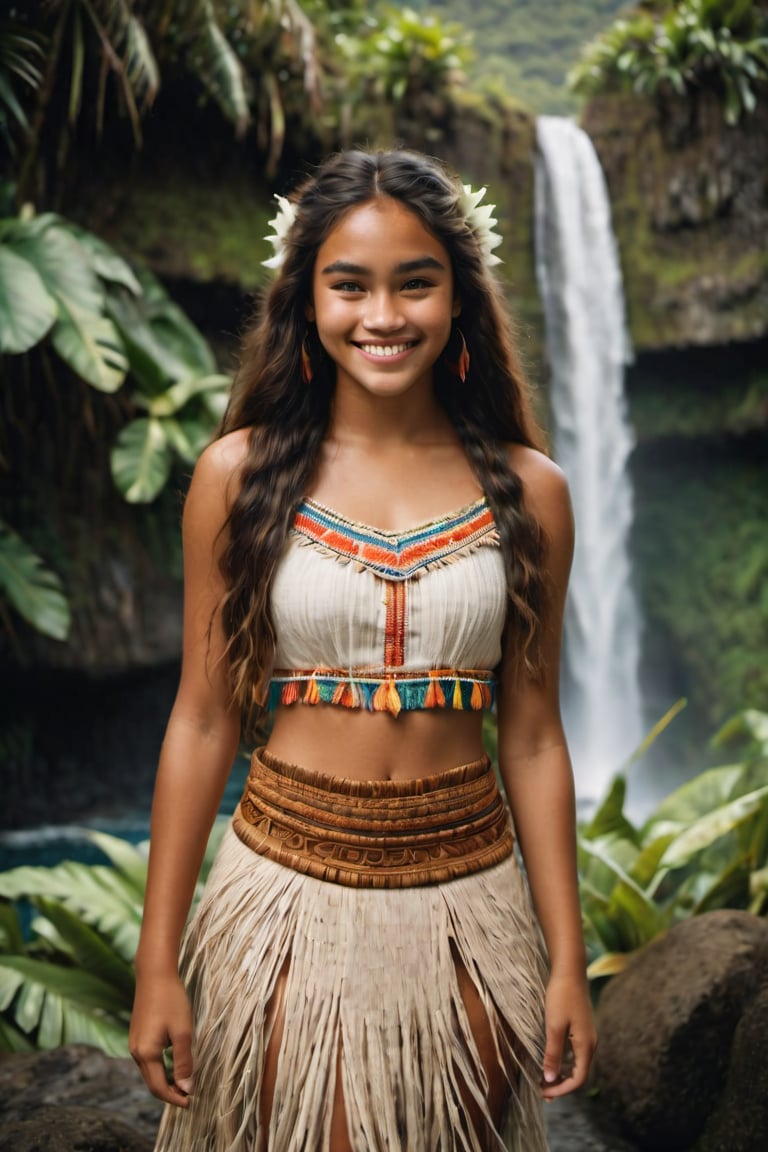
348 269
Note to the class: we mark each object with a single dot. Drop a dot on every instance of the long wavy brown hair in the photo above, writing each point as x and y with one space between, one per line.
288 419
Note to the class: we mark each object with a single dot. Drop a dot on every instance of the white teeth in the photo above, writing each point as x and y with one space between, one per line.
384 349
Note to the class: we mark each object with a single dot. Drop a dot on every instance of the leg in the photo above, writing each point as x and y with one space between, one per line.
498 1083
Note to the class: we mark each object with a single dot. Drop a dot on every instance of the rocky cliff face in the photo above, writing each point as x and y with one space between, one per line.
689 196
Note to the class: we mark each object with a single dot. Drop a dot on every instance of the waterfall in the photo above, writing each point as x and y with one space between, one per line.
587 348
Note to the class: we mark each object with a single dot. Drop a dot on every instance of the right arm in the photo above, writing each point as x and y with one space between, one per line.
200 745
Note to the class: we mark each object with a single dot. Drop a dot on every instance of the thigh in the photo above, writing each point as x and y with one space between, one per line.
497 1078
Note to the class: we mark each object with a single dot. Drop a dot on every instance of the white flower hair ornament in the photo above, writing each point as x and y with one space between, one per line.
479 217
282 224
481 220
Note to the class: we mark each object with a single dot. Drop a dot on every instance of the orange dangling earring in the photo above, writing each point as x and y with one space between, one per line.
460 367
306 363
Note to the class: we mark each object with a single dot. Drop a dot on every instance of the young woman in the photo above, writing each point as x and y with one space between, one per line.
377 546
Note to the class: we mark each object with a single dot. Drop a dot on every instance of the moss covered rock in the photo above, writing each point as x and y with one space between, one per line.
691 216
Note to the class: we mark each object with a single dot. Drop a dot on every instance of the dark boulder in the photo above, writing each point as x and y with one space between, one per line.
681 1058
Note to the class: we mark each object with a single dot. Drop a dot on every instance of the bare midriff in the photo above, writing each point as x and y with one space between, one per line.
361 745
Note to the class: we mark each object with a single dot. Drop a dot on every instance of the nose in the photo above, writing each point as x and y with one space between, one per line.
383 313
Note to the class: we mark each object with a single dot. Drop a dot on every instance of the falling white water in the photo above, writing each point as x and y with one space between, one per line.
587 348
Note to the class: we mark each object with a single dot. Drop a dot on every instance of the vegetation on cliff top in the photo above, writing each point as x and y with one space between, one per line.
666 48
529 45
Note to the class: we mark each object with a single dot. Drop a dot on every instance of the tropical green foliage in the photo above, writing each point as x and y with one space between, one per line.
64 291
70 979
21 56
32 589
106 54
527 46
720 503
704 847
398 54
721 44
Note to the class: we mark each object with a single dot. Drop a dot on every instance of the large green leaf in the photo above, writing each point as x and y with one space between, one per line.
98 893
68 933
215 62
141 460
34 978
11 1039
749 725
11 935
626 893
64 265
63 1005
609 818
163 345
710 827
130 861
693 799
91 345
86 339
27 309
106 262
31 588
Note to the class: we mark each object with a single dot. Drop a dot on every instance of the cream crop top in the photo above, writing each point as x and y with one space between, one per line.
389 620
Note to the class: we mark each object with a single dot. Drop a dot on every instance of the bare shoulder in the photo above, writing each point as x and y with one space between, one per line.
547 496
215 480
221 461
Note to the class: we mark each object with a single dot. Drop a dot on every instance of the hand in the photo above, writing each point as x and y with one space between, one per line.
571 1037
161 1018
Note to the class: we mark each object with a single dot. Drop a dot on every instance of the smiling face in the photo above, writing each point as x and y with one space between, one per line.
382 299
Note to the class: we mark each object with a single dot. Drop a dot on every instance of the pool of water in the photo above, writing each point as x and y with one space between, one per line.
49 844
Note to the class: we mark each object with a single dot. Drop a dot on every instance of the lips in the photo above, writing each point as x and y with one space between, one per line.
383 351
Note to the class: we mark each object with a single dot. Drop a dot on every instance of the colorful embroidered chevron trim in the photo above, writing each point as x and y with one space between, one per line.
462 689
397 555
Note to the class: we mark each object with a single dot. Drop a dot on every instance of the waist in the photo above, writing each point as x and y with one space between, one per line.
375 833
357 744
390 690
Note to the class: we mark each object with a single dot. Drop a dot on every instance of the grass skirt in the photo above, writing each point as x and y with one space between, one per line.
371 988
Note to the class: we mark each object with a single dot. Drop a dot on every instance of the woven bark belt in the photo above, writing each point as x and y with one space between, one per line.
375 833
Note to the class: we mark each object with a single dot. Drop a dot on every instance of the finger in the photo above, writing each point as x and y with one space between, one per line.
152 1069
182 1060
574 1068
553 1053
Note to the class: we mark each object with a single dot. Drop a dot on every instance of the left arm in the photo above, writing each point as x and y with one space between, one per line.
536 771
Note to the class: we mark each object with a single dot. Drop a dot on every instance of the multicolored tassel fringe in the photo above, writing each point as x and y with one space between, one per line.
392 692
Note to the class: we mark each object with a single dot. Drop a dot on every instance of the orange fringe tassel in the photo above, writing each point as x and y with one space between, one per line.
290 693
386 698
435 697
312 692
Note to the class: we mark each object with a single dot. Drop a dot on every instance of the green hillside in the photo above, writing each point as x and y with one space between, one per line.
529 44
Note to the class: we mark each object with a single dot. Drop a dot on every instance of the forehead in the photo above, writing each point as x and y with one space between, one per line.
381 231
